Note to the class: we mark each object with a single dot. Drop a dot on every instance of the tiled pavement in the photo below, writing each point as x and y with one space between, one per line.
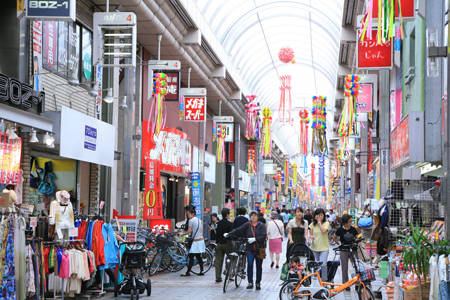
170 286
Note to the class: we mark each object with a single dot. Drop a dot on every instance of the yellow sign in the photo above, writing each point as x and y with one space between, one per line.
20 4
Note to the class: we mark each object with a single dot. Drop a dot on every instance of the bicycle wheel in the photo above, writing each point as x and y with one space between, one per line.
230 271
288 288
172 264
207 258
240 274
365 293
156 262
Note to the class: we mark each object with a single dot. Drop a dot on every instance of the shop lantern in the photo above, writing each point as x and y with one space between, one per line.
266 144
252 129
285 89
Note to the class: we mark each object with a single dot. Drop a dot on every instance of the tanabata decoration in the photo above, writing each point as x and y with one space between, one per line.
251 166
386 20
266 145
252 130
286 173
319 126
349 116
221 134
322 170
294 179
285 89
303 145
313 175
286 55
157 121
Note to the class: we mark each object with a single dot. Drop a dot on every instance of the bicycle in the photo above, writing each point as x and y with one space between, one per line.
294 289
235 262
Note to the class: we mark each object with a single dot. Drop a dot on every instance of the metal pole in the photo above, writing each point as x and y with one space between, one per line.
237 159
363 159
159 46
352 178
201 164
446 152
384 130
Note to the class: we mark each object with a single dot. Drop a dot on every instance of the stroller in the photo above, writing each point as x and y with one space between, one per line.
132 266
304 254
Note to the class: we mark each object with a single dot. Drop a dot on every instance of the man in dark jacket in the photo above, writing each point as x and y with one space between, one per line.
224 226
241 220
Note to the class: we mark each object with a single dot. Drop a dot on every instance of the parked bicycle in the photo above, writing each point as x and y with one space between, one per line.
294 289
236 261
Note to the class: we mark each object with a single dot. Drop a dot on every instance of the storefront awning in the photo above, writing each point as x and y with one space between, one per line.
25 118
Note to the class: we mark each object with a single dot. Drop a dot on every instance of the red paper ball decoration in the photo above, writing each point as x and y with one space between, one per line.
286 54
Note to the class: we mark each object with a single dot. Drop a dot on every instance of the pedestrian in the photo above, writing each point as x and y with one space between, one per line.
279 215
223 226
256 233
298 230
198 245
318 231
275 237
285 215
241 219
345 229
291 215
308 216
261 218
213 227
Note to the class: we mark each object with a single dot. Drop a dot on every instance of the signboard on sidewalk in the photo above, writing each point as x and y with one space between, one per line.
130 225
371 55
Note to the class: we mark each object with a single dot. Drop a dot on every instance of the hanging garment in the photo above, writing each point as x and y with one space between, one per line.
19 257
111 248
8 283
65 266
434 277
444 290
442 268
30 288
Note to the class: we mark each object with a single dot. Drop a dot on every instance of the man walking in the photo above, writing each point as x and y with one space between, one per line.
308 216
285 215
224 226
332 218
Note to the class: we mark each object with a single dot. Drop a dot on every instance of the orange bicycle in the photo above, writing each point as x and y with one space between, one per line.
294 289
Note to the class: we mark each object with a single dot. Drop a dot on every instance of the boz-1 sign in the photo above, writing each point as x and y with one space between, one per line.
51 10
21 94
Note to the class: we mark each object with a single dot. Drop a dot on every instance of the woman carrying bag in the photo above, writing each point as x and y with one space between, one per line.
275 237
256 233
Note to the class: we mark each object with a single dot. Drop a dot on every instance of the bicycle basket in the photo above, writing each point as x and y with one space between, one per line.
234 246
368 275
133 259
164 238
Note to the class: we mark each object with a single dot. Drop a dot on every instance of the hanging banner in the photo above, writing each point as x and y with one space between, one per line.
407 8
373 56
153 200
365 98
195 109
37 54
400 144
195 180
98 100
10 151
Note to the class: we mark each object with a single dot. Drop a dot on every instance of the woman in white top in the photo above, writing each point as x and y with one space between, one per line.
275 237
195 228
298 230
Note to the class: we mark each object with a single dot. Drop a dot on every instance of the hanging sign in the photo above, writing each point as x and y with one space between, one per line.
10 153
195 109
26 209
373 56
173 86
33 222
153 199
365 98
400 144
407 7
195 180
55 10
37 53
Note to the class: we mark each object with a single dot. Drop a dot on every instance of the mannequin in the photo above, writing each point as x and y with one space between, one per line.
61 214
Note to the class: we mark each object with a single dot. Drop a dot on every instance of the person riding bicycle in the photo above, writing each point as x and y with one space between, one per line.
224 226
256 233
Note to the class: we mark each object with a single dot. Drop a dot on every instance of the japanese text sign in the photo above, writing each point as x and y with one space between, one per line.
400 144
373 56
173 86
159 225
10 153
153 199
195 179
365 98
195 109
127 225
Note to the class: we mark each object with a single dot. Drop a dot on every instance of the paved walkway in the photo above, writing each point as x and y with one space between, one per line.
170 286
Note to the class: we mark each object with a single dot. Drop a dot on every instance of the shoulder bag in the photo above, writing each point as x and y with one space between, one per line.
365 223
191 239
45 187
35 180
278 228
262 250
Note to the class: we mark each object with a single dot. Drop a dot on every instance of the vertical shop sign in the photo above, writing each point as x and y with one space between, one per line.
73 47
365 98
396 108
62 45
153 199
195 179
37 54
173 86
369 148
87 54
10 151
400 144
195 109
372 55
50 43
98 101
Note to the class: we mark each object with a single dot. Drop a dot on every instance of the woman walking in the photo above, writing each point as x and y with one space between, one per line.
256 233
298 230
198 245
319 235
345 229
275 237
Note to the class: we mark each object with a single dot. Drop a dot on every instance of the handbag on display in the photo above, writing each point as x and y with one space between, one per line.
365 222
35 180
45 187
362 253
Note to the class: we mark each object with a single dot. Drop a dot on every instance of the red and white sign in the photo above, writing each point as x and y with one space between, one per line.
153 206
373 56
159 225
369 148
50 42
37 54
195 109
407 6
365 98
400 144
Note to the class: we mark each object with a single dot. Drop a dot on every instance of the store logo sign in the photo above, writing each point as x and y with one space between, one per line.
55 10
167 148
21 94
90 138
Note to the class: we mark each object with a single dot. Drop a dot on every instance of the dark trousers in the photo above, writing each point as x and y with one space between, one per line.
191 261
251 257
285 230
345 257
221 250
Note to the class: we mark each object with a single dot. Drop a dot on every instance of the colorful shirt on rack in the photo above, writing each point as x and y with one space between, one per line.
111 248
31 288
8 286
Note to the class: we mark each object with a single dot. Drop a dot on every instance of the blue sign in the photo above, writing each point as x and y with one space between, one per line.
90 138
282 178
195 181
290 183
397 44
349 190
